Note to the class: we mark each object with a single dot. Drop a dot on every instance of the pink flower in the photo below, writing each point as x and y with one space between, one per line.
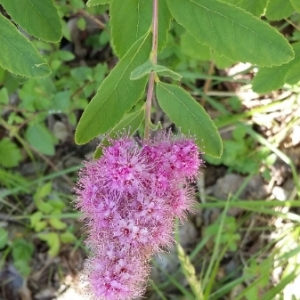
173 157
129 199
123 168
116 275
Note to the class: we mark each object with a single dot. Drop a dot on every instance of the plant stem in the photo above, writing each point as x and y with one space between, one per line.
153 58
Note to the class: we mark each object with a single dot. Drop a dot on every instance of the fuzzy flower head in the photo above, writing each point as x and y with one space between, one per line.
115 275
129 199
122 167
173 157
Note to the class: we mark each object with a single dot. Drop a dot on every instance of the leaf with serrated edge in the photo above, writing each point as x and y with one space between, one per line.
18 55
40 139
192 48
232 32
190 116
10 154
98 2
131 122
256 7
270 79
39 18
131 19
117 94
279 9
148 67
293 75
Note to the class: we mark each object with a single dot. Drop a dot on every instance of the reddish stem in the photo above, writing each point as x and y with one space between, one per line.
152 74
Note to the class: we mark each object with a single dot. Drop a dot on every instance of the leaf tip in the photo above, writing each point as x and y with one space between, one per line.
79 137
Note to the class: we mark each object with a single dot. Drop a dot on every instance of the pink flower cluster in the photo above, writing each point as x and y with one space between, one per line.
129 199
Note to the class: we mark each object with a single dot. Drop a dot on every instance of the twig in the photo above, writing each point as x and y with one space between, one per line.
291 23
49 162
208 81
97 21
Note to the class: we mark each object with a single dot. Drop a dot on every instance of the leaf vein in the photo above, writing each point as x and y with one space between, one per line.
114 90
43 17
225 17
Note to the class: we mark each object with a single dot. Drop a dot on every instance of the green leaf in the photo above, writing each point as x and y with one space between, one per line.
4 96
44 190
57 204
221 61
18 55
52 240
10 154
192 48
269 79
36 223
35 217
232 32
131 121
190 116
293 74
41 225
2 75
21 253
44 207
117 94
256 7
81 23
148 67
279 9
98 2
164 21
296 4
39 18
40 139
67 237
22 249
57 223
3 237
127 30
65 55
23 267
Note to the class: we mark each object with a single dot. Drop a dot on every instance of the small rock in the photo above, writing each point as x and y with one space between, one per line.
167 263
13 279
236 291
234 211
227 185
280 171
60 131
30 169
187 234
46 294
70 293
256 188
280 193
295 136
231 183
